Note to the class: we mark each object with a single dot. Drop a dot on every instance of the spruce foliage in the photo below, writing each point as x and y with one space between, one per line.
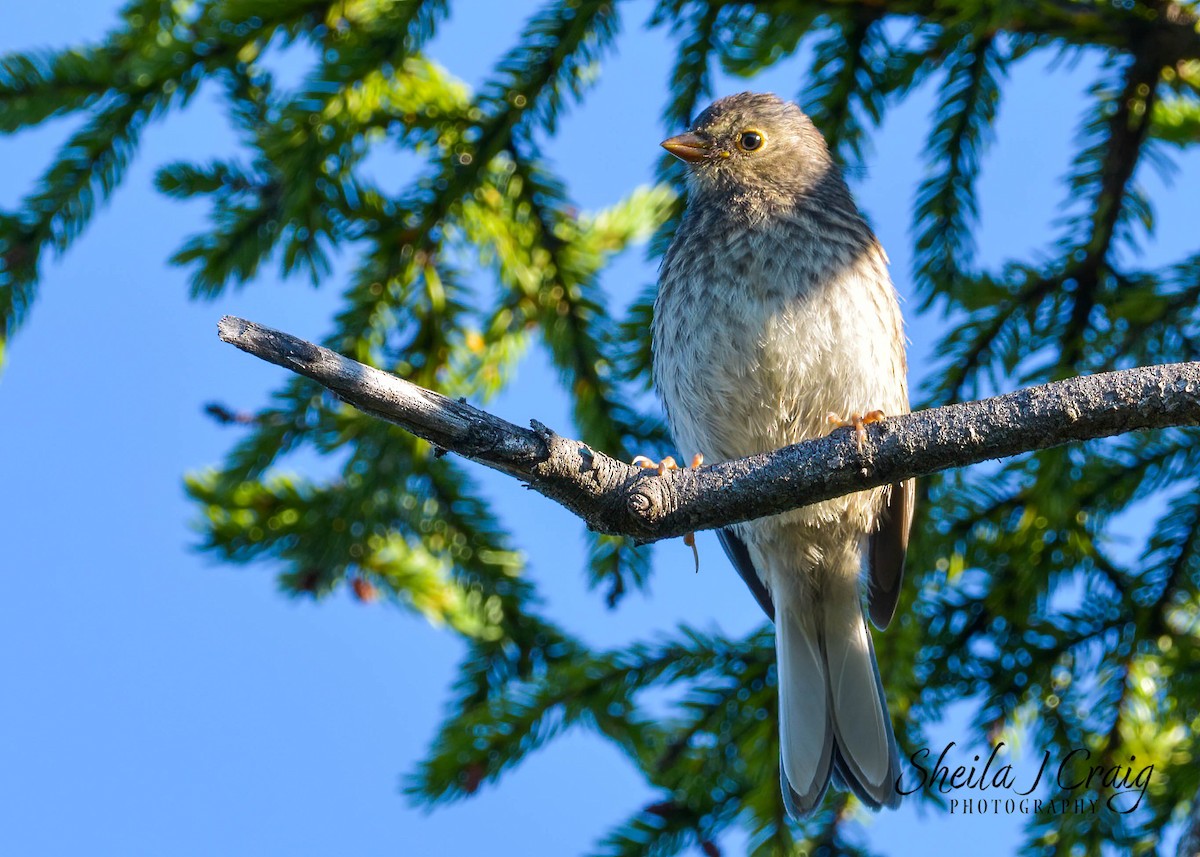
1016 599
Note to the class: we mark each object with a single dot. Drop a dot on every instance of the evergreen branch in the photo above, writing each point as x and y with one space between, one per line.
1111 199
573 688
636 356
1171 25
565 42
558 46
1175 545
87 170
557 51
550 275
946 209
392 546
570 316
1151 316
749 41
246 231
39 85
364 33
569 305
1189 842
991 323
840 79
659 830
616 498
1176 120
1122 474
691 79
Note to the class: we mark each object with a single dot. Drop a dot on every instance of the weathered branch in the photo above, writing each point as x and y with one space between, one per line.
617 498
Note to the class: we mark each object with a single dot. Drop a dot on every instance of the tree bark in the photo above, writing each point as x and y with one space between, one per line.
620 499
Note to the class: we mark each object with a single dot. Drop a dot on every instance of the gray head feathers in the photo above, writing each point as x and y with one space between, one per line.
757 150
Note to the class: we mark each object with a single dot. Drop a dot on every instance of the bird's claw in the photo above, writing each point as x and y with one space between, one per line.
662 467
858 422
668 463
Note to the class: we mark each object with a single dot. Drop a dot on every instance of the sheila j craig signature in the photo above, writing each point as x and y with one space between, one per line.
1075 783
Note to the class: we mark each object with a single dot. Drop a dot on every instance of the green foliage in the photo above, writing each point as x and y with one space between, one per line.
946 212
1022 600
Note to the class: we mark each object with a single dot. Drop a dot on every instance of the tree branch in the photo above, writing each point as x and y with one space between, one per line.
617 498
1171 24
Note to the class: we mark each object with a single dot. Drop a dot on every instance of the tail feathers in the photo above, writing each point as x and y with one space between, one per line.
862 728
832 712
805 731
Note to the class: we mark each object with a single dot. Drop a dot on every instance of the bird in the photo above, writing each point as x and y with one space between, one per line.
776 314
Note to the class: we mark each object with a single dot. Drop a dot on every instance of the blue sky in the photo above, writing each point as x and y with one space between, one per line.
159 702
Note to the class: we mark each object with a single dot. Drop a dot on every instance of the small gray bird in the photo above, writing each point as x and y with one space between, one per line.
775 310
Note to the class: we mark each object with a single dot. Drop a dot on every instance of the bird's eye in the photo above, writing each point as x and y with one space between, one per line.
750 141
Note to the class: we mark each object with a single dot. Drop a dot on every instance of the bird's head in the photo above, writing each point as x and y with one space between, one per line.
754 147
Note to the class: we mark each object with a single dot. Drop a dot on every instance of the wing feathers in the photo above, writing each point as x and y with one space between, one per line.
889 544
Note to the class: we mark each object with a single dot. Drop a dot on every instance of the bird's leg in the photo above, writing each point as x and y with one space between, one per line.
662 467
858 422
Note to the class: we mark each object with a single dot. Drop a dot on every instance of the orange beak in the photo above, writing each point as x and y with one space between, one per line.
688 147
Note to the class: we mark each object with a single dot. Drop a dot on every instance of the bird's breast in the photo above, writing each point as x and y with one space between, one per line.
758 340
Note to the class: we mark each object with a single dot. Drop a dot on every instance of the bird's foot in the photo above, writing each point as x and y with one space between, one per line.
858 422
662 467
668 463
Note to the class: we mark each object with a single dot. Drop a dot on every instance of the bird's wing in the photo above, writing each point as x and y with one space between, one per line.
889 544
735 549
